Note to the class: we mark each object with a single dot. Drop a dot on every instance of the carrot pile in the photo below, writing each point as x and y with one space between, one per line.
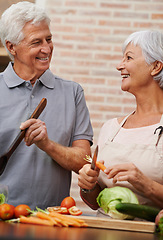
53 219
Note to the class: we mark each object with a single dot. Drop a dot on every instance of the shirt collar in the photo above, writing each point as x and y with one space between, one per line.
48 79
13 80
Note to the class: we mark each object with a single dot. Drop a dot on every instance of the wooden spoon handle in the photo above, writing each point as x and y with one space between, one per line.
21 134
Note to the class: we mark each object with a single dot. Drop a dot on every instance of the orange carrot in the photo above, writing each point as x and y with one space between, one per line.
67 220
53 219
47 217
100 166
35 220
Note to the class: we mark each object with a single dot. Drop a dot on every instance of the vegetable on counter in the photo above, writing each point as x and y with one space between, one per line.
68 206
140 211
6 211
74 211
68 202
2 198
46 218
22 210
160 226
58 209
110 197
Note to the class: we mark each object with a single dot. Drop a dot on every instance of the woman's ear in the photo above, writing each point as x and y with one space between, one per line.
157 67
10 47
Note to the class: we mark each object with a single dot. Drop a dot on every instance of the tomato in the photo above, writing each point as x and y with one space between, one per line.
6 211
21 210
58 209
75 211
68 202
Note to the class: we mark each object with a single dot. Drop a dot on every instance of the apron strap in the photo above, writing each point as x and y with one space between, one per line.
158 132
115 132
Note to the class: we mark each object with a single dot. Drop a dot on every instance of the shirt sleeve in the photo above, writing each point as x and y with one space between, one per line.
83 128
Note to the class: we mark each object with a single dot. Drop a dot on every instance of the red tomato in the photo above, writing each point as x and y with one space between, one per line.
21 210
68 202
58 209
75 211
6 211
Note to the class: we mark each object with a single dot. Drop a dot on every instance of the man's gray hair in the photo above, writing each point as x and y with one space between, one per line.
14 19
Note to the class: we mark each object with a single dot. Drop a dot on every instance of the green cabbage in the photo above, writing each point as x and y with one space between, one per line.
109 197
2 198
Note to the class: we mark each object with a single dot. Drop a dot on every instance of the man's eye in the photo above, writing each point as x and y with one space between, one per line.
35 43
48 39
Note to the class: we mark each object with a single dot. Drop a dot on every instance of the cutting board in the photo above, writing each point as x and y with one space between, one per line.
129 225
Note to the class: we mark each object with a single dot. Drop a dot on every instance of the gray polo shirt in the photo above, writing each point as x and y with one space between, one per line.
32 176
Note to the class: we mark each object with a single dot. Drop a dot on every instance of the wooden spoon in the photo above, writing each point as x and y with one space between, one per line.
5 157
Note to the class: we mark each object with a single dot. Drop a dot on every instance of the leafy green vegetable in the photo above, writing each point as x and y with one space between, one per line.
109 197
33 212
2 198
160 226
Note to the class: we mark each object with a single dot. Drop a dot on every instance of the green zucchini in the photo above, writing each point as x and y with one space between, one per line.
136 210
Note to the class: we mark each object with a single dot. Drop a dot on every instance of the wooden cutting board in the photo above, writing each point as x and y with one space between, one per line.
129 225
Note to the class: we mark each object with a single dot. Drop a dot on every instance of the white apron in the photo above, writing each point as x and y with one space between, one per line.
147 158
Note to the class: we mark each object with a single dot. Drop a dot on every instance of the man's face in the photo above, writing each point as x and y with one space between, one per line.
33 54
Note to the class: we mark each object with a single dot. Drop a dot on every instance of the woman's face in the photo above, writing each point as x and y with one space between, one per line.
135 72
33 54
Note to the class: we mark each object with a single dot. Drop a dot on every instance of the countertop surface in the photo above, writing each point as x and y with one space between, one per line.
27 231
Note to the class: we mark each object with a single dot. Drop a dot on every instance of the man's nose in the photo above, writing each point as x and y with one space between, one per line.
46 48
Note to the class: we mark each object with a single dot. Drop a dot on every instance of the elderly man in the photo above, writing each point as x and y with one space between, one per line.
39 171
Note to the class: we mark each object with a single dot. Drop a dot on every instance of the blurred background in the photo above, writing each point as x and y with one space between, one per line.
88 36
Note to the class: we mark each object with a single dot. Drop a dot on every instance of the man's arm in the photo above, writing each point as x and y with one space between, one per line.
70 158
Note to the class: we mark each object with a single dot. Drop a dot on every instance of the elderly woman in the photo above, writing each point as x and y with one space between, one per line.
132 146
39 171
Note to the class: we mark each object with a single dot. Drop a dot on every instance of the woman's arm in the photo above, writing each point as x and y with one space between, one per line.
129 172
89 196
89 187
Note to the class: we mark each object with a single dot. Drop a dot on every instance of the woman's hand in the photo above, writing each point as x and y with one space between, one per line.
129 172
87 177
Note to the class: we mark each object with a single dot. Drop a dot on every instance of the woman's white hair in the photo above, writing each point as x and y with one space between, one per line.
151 44
15 17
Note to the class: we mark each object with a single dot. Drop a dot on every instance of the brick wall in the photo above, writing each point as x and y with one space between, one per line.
88 35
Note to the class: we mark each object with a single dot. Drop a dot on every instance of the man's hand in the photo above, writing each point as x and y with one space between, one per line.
36 132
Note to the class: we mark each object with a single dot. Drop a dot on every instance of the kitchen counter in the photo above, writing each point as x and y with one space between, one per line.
18 231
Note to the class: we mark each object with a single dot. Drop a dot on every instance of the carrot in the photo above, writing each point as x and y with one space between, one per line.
53 219
100 166
35 220
65 220
70 221
47 217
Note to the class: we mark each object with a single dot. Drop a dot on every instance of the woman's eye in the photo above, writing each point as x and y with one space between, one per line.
128 57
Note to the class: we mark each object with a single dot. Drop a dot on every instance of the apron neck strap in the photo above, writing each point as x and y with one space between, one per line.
115 132
158 132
